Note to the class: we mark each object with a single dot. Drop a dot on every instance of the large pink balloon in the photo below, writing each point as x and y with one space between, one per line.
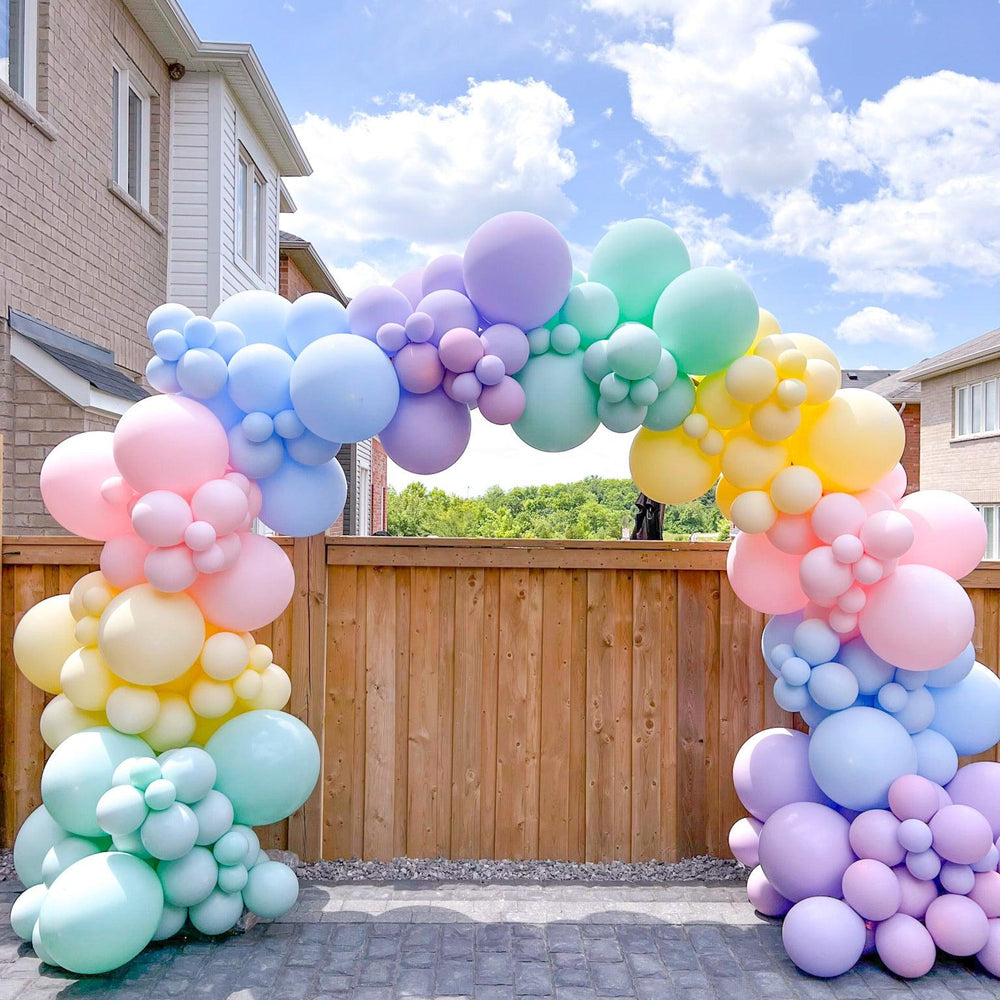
71 481
764 577
949 533
250 593
170 443
123 561
919 618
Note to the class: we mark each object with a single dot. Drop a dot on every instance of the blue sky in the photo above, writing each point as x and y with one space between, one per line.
845 157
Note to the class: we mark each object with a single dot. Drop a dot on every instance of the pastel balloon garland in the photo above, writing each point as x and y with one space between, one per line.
168 741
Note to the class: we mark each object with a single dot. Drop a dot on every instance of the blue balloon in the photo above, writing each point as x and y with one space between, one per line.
950 673
344 388
791 698
312 316
303 500
937 759
855 755
308 449
258 379
256 460
170 345
260 315
813 715
833 686
871 670
228 340
162 375
917 713
202 372
968 713
169 316
777 632
815 642
226 411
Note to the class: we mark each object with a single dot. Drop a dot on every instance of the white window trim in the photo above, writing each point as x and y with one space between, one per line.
129 78
991 514
962 402
259 266
29 56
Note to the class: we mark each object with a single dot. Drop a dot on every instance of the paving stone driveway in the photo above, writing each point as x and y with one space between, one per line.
488 943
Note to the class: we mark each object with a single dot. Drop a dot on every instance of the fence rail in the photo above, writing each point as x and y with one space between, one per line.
492 699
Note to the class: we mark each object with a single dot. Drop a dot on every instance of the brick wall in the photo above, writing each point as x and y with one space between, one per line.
291 281
379 482
911 450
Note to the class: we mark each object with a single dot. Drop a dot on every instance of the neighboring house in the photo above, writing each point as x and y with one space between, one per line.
905 396
302 270
138 165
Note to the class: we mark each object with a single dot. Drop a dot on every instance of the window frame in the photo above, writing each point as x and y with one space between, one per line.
964 416
990 513
250 240
28 42
130 81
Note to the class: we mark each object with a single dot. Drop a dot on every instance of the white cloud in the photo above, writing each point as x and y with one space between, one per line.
358 276
503 16
876 325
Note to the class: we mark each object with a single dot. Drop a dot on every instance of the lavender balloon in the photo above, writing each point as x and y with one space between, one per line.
428 433
448 309
375 306
443 272
824 937
411 285
771 770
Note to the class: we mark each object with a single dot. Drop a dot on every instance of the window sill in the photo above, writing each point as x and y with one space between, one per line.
248 272
10 96
122 195
986 435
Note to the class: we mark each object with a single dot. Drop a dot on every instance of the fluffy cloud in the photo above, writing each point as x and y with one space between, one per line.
875 325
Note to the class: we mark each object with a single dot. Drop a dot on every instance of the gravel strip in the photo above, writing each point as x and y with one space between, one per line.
7 873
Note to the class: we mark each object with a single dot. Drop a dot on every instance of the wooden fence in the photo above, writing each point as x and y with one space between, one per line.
491 699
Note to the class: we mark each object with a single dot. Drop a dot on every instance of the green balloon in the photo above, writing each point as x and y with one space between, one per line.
271 889
707 318
672 406
593 309
100 913
637 260
79 772
634 351
67 852
188 880
218 913
267 762
38 833
24 912
621 417
173 919
560 409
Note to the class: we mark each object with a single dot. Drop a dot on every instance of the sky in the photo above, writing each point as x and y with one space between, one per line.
843 157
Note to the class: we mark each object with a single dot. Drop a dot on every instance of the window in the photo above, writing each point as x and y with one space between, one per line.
131 98
251 211
976 409
990 514
19 46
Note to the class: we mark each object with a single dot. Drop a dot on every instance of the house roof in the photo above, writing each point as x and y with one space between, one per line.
862 378
306 258
897 389
972 352
175 39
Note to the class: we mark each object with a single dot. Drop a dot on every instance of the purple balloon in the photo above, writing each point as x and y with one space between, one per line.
957 924
411 285
374 307
772 769
428 433
914 797
418 368
961 834
805 850
872 890
764 897
502 403
461 350
509 344
463 388
518 269
978 785
391 337
419 328
823 937
915 894
448 309
875 835
924 865
490 370
444 272
743 840
906 947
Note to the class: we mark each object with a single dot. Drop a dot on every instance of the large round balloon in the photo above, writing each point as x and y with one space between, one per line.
303 500
824 937
100 913
968 713
71 479
771 770
43 639
560 410
428 433
668 466
949 533
764 577
260 315
268 763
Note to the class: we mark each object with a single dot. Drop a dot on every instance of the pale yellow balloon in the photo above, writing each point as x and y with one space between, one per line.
174 726
132 709
86 680
791 392
204 729
669 467
261 657
148 637
44 637
753 512
80 594
751 379
796 490
61 719
211 699
224 656
86 631
855 441
772 346
791 364
822 381
712 443
749 463
814 348
276 688
249 684
725 494
772 422
712 399
696 425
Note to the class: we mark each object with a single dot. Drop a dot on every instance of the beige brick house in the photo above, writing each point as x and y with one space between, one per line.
138 165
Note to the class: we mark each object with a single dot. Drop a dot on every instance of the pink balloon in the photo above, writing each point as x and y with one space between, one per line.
873 500
170 443
961 834
823 577
894 484
763 577
989 955
919 618
161 518
949 533
852 600
957 924
792 533
230 545
868 570
914 797
743 839
210 560
123 559
71 480
222 503
887 534
837 514
418 368
171 569
915 894
502 403
199 536
764 897
874 835
871 889
905 946
460 349
986 893
250 593
848 548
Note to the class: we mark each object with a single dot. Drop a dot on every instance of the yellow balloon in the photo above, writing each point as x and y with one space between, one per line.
796 490
132 709
668 466
822 381
772 346
725 494
61 719
751 379
90 595
44 637
261 656
753 512
148 637
855 441
86 680
204 729
224 656
276 688
772 422
249 684
813 347
749 463
86 631
713 399
792 392
767 326
212 699
174 726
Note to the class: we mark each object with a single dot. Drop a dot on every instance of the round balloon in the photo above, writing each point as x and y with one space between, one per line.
560 410
43 640
303 500
428 433
260 315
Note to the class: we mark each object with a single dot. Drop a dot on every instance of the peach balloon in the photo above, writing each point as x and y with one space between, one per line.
122 561
764 577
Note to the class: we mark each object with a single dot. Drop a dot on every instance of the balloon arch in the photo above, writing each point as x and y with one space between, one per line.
168 743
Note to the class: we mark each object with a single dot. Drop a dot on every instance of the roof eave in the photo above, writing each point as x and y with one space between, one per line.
309 262
922 372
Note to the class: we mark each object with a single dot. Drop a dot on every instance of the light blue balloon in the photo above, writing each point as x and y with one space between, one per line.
100 913
778 632
794 670
170 345
38 833
910 679
169 833
268 763
344 388
871 670
621 417
258 379
215 816
892 697
917 713
791 698
260 315
173 919
257 427
202 373
672 407
937 759
24 912
199 331
271 889
254 460
312 316
815 642
79 772
190 770
226 411
169 316
855 755
952 673
813 715
560 410
968 713
308 449
218 913
190 879
228 340
288 425
162 375
833 686
303 500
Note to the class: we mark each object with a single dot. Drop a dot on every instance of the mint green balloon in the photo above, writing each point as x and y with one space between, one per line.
188 880
217 913
634 351
67 852
560 410
593 309
637 260
100 913
707 318
24 912
173 919
672 406
38 833
79 772
271 889
267 762
621 417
